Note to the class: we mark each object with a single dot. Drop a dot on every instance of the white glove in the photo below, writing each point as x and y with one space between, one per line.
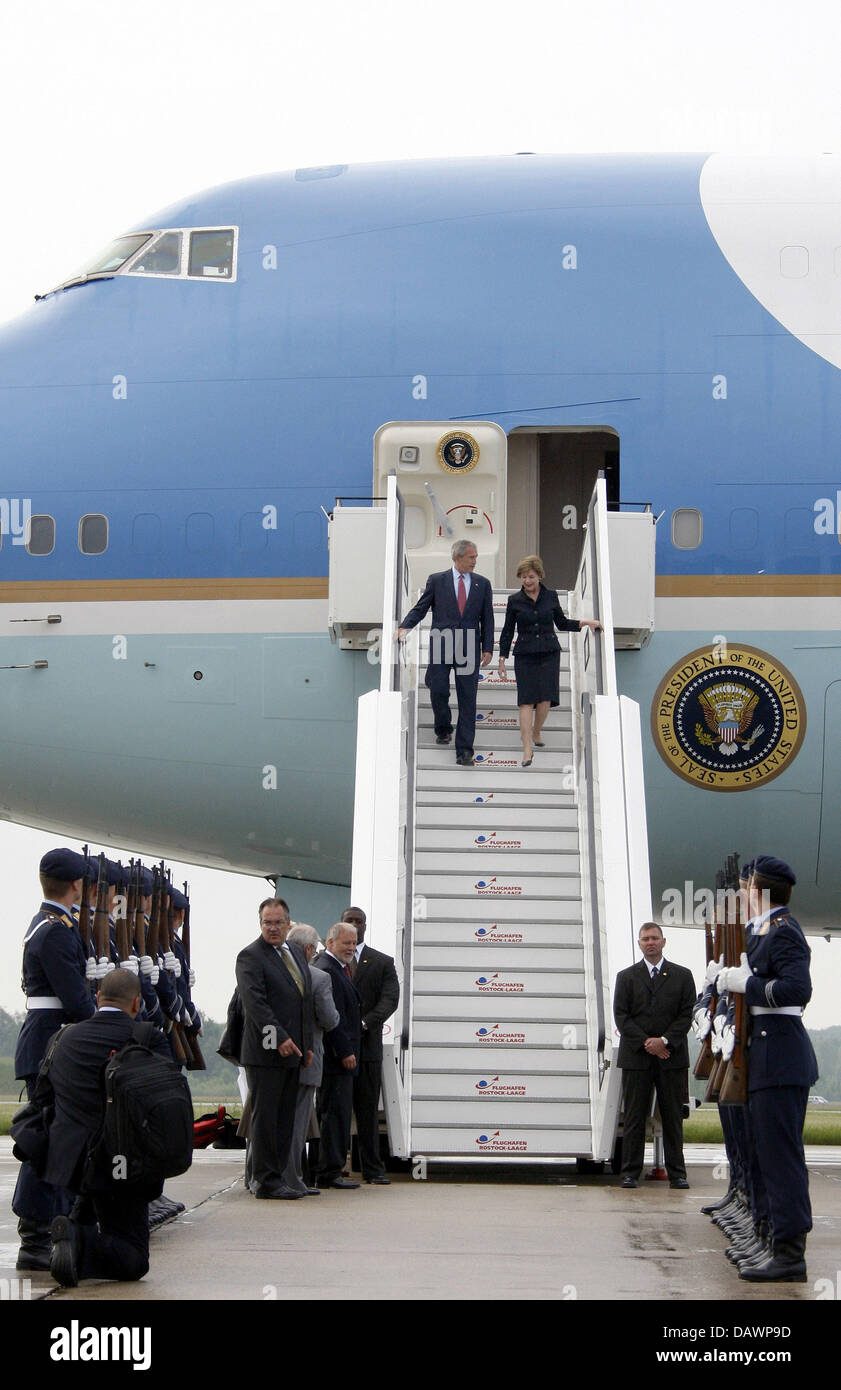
170 962
728 1042
102 967
735 977
130 964
191 979
155 975
90 968
109 967
713 970
147 965
701 1023
177 968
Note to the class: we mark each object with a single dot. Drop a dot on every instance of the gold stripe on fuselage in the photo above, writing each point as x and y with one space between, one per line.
747 586
157 590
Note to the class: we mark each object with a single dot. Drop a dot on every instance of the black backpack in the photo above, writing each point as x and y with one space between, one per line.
148 1113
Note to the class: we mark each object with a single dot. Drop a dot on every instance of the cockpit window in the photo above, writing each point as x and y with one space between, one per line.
108 262
212 253
161 257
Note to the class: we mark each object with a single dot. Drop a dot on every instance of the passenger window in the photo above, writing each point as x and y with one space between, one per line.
93 534
687 528
163 257
212 253
40 535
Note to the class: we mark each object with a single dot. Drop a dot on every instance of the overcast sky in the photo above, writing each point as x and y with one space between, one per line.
110 112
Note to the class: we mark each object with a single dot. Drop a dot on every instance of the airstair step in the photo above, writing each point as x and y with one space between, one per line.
485 778
484 884
504 754
473 1141
496 936
465 1085
482 863
511 1011
497 1030
492 1112
463 791
516 840
486 817
483 1061
444 981
501 911
540 959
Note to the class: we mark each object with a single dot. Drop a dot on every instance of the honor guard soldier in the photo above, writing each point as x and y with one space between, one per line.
774 977
149 969
56 992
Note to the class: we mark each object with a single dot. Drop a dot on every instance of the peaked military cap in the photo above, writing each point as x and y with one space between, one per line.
770 867
177 899
63 864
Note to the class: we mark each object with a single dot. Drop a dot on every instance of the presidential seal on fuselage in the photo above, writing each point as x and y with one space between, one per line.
728 719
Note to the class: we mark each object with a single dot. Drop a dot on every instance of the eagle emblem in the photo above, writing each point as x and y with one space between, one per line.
728 710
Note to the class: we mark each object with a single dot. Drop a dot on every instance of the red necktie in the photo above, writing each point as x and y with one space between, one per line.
462 594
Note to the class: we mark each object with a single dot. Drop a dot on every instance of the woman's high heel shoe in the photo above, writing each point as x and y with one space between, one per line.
527 762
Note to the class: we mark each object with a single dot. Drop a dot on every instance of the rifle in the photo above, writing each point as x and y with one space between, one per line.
139 919
121 924
734 1088
85 906
100 916
706 1057
175 1030
191 1034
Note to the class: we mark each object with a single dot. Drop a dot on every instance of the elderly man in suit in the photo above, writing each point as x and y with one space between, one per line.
326 1019
652 1006
461 639
276 993
341 1059
378 988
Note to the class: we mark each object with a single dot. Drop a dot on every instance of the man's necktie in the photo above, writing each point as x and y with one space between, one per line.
462 594
291 965
352 964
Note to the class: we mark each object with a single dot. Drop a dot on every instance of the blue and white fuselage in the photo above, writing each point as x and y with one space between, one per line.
174 430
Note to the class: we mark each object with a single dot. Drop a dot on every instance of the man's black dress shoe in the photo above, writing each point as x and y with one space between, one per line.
339 1182
464 759
678 1182
277 1194
311 1192
629 1182
380 1180
444 738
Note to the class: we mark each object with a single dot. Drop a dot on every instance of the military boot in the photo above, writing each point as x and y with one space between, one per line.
35 1244
785 1264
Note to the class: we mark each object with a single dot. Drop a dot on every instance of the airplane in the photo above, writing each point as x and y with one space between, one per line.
184 416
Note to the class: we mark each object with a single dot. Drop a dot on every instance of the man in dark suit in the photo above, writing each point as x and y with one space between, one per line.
276 994
652 1006
775 980
341 1058
106 1236
376 983
462 628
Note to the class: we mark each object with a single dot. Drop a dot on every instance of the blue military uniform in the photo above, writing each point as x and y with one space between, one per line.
782 1066
57 992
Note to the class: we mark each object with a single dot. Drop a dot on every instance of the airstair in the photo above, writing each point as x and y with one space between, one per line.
509 896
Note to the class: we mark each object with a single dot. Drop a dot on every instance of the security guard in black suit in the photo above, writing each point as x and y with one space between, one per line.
774 978
375 979
652 1006
57 992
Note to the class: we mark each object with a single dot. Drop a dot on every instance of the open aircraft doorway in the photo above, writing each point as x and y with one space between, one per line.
551 475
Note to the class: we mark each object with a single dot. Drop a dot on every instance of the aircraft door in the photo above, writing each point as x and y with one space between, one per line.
452 478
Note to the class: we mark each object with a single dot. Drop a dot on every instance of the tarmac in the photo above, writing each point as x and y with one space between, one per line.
461 1235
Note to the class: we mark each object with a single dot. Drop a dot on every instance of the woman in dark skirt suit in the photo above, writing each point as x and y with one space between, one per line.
535 612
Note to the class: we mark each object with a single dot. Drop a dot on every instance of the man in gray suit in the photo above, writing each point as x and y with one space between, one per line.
326 1017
